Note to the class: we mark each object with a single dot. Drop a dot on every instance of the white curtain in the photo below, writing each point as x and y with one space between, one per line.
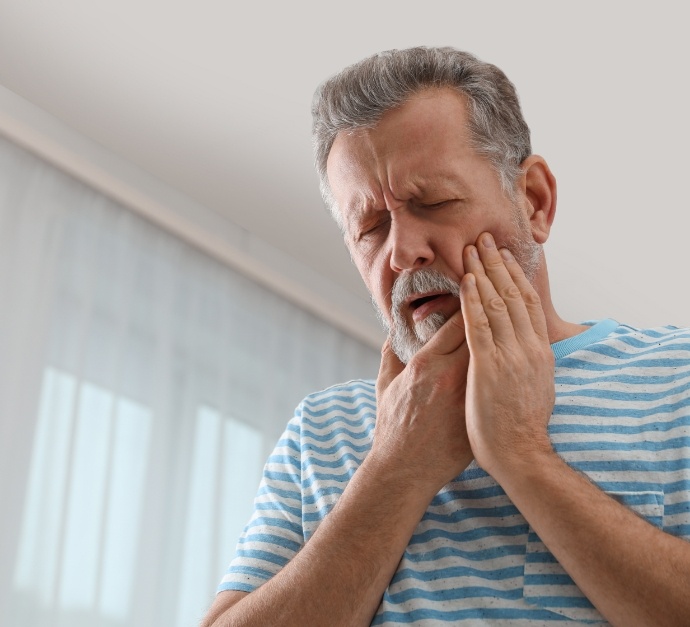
142 385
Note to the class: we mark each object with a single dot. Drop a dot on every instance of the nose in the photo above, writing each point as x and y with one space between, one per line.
410 242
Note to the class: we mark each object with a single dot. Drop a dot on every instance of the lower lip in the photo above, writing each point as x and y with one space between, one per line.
431 306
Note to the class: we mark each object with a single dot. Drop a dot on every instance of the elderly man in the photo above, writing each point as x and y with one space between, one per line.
509 467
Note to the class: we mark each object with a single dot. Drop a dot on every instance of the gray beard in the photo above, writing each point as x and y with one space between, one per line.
405 339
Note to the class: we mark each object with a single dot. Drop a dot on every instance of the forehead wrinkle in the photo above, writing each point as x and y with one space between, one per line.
415 174
359 173
420 185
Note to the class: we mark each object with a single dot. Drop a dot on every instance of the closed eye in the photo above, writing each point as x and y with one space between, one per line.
372 230
435 205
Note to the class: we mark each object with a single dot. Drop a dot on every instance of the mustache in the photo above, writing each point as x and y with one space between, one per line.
419 282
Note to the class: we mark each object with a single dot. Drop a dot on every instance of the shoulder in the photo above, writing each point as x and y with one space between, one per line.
351 403
349 394
668 342
630 344
658 335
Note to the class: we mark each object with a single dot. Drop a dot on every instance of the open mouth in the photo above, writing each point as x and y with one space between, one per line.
418 302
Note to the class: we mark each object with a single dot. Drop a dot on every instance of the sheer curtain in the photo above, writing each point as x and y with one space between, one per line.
142 385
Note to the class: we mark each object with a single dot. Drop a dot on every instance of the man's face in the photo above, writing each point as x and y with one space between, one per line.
412 193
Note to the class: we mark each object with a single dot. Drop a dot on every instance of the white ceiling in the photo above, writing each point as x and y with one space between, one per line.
213 98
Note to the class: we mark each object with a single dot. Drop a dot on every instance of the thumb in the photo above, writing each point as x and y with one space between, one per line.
390 368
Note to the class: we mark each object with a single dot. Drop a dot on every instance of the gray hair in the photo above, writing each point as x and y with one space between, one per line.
359 95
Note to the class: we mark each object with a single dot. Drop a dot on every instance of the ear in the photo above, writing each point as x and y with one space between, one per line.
538 186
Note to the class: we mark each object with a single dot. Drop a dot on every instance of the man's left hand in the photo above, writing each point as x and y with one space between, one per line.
510 382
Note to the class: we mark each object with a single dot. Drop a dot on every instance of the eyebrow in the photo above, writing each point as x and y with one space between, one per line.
362 206
441 182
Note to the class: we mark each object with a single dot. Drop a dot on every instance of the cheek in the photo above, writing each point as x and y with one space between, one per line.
378 279
452 253
370 268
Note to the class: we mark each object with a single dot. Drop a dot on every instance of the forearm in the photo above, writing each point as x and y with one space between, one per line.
340 575
634 573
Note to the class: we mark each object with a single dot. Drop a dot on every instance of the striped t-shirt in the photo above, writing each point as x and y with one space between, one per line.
622 417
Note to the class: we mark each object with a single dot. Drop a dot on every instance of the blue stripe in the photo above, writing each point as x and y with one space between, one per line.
473 614
288 443
284 460
264 556
652 341
330 435
616 429
324 476
548 580
677 508
338 419
665 363
267 538
682 531
603 445
360 385
459 592
632 395
467 513
632 465
264 490
251 570
320 493
235 585
278 507
272 475
540 557
647 380
499 574
280 523
338 409
477 555
367 396
614 353
467 494
336 448
470 535
560 601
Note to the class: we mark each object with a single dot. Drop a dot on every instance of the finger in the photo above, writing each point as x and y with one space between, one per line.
494 306
479 335
495 268
449 338
390 368
530 298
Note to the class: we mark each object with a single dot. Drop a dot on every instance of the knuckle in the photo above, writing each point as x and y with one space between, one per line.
482 323
510 292
494 263
496 304
418 365
444 378
532 298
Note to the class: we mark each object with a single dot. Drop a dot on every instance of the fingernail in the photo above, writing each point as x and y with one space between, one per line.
488 241
506 254
473 252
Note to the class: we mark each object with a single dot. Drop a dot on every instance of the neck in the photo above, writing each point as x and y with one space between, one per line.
557 328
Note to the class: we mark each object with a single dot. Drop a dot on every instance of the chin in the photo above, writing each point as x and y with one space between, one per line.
406 342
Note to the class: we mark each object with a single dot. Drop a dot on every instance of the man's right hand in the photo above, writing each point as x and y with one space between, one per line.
420 431
420 444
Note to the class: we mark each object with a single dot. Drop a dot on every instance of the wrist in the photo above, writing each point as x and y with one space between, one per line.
524 462
407 479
